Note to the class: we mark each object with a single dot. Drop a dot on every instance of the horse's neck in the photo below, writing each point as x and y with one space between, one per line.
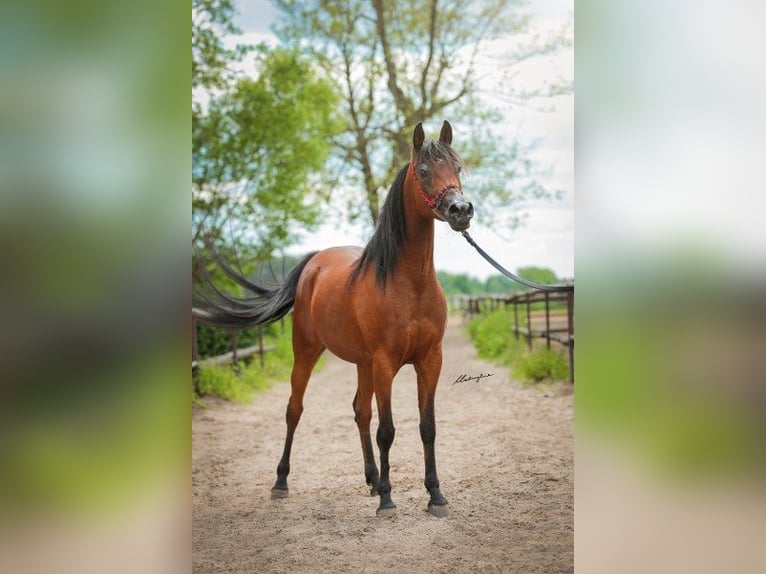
417 255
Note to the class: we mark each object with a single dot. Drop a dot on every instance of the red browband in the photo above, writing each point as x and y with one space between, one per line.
432 202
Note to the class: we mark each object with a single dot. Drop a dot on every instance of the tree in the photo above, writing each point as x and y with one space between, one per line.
497 284
542 275
400 63
256 143
255 150
211 19
459 283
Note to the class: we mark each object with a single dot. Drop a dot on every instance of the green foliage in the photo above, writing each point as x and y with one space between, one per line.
224 382
538 274
240 385
210 59
500 284
491 335
282 341
454 284
256 143
255 149
540 364
212 341
463 284
400 63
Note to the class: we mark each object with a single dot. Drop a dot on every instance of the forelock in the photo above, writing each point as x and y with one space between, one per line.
436 151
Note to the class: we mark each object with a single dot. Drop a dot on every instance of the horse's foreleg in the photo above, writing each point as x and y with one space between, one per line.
305 359
362 415
382 379
428 378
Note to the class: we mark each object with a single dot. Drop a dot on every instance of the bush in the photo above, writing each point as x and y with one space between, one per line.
491 335
541 364
494 341
212 341
225 382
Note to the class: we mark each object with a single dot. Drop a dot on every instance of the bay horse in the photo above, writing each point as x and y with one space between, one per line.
380 308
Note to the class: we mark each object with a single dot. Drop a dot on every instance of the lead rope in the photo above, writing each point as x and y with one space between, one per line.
504 271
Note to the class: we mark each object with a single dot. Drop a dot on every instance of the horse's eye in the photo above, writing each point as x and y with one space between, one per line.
458 169
422 170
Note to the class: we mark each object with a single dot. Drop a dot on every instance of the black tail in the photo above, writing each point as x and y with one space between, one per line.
269 304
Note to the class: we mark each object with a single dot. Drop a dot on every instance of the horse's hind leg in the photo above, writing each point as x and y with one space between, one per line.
306 356
362 415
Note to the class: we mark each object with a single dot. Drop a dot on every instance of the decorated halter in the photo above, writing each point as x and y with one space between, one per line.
436 201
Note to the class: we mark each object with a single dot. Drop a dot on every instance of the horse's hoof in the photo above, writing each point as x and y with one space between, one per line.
373 491
277 493
388 511
439 510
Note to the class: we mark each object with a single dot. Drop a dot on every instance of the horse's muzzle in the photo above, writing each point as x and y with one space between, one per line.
458 213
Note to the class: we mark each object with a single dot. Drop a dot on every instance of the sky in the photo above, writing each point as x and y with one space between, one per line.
546 239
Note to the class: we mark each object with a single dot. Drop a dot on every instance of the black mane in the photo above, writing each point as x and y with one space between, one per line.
384 247
382 251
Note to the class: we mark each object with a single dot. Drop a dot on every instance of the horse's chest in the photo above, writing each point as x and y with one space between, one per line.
402 322
415 333
414 316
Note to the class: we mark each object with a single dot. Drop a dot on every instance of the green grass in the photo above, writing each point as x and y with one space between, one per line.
491 335
240 385
542 364
223 381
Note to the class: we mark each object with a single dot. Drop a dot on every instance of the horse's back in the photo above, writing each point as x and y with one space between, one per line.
329 268
336 257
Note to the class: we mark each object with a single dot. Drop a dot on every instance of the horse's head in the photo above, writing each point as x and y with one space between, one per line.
435 173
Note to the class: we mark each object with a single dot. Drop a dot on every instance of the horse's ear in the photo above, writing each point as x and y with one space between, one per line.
418 136
446 134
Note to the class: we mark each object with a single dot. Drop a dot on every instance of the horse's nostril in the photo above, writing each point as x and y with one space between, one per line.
462 210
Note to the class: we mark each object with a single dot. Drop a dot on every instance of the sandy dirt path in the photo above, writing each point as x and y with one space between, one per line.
504 456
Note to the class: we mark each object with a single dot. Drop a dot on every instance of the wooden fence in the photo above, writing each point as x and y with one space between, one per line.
232 356
554 323
550 324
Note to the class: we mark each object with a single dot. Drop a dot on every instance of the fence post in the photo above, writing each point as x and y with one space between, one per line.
529 323
547 320
516 317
